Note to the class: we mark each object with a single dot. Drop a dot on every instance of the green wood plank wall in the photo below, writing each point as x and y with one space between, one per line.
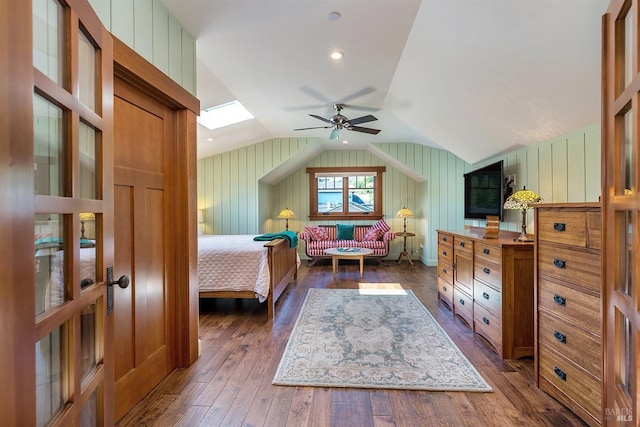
148 28
427 180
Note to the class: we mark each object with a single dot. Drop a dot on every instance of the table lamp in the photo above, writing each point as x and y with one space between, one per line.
405 213
286 214
523 200
85 216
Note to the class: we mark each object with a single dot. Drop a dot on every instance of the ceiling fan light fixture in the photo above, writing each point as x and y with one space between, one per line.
336 54
334 16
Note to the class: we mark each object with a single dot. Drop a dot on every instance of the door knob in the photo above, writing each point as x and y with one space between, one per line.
123 281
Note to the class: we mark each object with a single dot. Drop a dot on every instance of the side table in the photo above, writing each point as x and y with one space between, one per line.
404 253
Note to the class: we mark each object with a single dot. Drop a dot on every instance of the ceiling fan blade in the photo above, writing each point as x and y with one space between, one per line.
316 127
315 94
365 130
321 118
363 119
362 92
335 134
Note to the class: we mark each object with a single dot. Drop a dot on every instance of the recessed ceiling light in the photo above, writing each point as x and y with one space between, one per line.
209 139
334 16
336 54
345 142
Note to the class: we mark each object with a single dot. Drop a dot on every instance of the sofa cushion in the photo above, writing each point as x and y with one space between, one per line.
381 225
317 233
372 234
345 232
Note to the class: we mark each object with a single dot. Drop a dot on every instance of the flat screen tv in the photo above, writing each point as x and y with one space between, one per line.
484 192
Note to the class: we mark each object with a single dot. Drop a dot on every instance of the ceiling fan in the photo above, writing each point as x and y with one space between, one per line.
339 122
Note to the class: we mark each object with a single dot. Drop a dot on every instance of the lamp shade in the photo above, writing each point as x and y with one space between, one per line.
405 213
87 216
522 199
286 213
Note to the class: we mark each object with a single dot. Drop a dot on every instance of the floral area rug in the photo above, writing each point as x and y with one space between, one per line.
373 339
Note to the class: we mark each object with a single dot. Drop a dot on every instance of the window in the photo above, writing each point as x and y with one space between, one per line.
345 192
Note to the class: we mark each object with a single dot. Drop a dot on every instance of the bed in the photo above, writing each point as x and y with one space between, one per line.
236 266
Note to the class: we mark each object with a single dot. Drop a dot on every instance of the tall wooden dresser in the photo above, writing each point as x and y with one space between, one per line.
568 359
489 284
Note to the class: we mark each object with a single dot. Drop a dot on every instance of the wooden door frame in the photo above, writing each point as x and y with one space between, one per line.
132 68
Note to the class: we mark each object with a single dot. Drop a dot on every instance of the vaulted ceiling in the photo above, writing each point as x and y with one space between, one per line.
475 77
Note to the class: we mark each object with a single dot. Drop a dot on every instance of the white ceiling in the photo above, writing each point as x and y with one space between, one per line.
476 77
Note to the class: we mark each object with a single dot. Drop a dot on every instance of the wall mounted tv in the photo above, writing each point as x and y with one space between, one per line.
484 192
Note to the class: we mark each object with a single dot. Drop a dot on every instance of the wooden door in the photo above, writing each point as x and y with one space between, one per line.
621 213
144 321
55 357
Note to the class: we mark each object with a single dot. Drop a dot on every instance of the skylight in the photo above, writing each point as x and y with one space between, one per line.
224 115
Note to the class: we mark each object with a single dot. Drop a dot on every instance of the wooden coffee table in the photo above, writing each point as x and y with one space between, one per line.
337 254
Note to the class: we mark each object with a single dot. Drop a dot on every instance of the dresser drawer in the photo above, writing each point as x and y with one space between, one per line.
488 325
487 252
445 271
580 268
464 245
565 227
570 379
488 297
445 253
488 272
445 238
570 304
594 230
445 292
463 305
572 342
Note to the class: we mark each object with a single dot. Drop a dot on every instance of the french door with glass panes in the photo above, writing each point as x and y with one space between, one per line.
60 79
621 212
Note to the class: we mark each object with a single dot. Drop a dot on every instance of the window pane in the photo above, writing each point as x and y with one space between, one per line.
624 331
87 249
49 150
52 375
87 78
361 193
627 164
628 47
625 229
88 340
88 171
91 413
49 53
50 262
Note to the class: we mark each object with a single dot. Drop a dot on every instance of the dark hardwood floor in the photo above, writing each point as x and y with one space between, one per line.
230 384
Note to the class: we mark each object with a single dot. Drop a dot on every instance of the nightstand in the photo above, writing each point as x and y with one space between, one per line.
404 253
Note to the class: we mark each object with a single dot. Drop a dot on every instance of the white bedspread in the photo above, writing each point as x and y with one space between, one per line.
233 263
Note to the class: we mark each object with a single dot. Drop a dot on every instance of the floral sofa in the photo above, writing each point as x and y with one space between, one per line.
319 238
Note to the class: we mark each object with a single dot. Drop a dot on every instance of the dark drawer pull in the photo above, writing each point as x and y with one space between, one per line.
485 320
444 270
444 288
560 373
485 295
559 226
461 301
444 239
560 263
560 337
462 244
444 253
485 251
559 300
486 270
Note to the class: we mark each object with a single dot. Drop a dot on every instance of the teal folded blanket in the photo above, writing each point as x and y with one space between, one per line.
288 235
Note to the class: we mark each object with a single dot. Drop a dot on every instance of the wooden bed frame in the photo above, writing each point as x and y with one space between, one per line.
283 269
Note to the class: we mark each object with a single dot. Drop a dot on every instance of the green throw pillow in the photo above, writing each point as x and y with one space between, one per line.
345 232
